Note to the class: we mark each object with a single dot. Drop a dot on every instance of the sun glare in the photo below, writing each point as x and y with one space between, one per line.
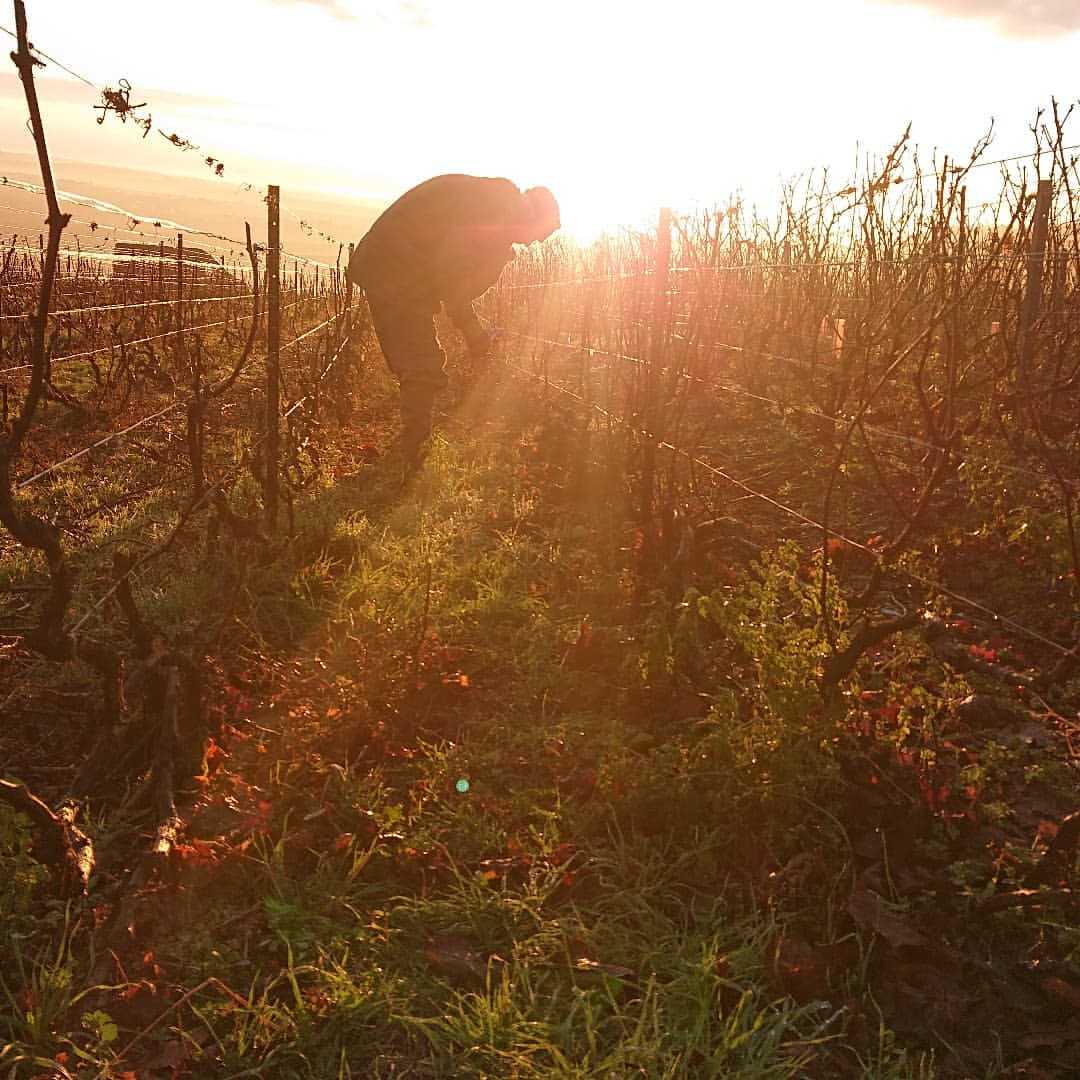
586 216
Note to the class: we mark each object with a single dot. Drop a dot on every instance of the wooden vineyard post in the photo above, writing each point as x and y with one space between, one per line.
1033 289
3 385
956 355
341 374
786 288
839 334
1057 290
273 357
500 305
193 433
586 338
178 327
348 295
650 413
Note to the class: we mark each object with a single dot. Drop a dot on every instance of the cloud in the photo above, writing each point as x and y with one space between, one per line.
1019 18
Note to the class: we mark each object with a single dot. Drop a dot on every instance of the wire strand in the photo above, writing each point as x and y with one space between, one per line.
153 416
52 60
153 337
56 312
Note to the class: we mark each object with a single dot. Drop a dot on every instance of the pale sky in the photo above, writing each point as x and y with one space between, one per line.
618 106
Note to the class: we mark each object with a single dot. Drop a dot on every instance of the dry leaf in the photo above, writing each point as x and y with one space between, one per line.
871 913
456 957
613 971
1061 990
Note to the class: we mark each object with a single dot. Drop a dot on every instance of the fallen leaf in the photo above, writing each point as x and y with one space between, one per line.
172 1055
456 957
1050 1036
584 966
798 970
578 655
690 705
1066 836
1047 829
1064 992
871 913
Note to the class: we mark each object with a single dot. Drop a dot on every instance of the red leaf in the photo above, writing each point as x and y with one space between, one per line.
1047 829
213 749
562 854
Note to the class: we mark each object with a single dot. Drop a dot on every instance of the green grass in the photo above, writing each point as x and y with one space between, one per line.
647 875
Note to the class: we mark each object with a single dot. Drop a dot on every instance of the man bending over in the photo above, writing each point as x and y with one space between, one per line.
444 241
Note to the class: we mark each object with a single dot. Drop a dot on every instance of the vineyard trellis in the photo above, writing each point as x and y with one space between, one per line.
132 343
899 321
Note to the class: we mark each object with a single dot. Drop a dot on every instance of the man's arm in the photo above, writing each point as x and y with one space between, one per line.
464 318
466 278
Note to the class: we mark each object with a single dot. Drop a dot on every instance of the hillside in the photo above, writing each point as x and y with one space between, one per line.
219 206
